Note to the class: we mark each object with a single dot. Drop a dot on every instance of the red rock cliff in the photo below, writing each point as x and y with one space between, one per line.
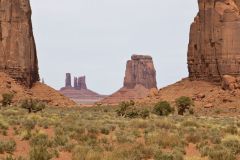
214 47
18 56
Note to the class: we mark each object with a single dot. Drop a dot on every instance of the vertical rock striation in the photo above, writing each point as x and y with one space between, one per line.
140 71
214 47
18 56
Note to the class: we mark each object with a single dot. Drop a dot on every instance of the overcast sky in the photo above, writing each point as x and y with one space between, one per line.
96 37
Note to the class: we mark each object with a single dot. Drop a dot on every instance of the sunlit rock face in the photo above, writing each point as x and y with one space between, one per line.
214 46
18 56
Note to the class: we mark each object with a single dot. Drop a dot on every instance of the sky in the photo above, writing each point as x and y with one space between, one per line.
95 38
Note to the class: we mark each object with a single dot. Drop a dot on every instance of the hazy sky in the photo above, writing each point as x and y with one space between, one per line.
96 37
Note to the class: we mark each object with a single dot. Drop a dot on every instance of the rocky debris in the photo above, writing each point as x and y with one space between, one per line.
230 82
38 91
139 81
208 97
199 97
17 45
214 45
80 93
68 81
140 71
209 105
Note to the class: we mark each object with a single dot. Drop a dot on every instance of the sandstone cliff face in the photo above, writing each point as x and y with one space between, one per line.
140 71
214 47
17 46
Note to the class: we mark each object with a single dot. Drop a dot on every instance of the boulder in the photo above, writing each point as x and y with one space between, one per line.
229 82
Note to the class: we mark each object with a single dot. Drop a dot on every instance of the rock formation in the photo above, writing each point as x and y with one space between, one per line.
214 47
140 79
140 71
17 45
68 81
80 93
75 82
81 84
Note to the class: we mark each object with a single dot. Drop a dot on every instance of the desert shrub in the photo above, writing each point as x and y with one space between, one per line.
7 146
231 129
193 137
219 152
10 157
60 140
40 153
170 140
40 140
105 130
144 113
7 99
123 107
29 124
163 108
33 105
184 103
80 153
175 155
128 110
232 143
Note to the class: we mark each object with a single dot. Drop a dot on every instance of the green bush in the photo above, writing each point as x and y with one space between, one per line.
7 99
184 103
33 105
163 108
123 107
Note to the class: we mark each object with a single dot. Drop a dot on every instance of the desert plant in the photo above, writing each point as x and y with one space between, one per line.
123 107
144 113
40 153
33 105
7 146
184 103
163 108
7 99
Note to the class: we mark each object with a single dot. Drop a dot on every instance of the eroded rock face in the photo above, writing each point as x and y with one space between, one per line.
214 47
140 71
18 56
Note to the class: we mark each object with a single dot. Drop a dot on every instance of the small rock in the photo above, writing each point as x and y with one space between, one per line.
209 105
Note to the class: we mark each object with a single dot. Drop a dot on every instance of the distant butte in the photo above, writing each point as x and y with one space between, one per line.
140 79
79 91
